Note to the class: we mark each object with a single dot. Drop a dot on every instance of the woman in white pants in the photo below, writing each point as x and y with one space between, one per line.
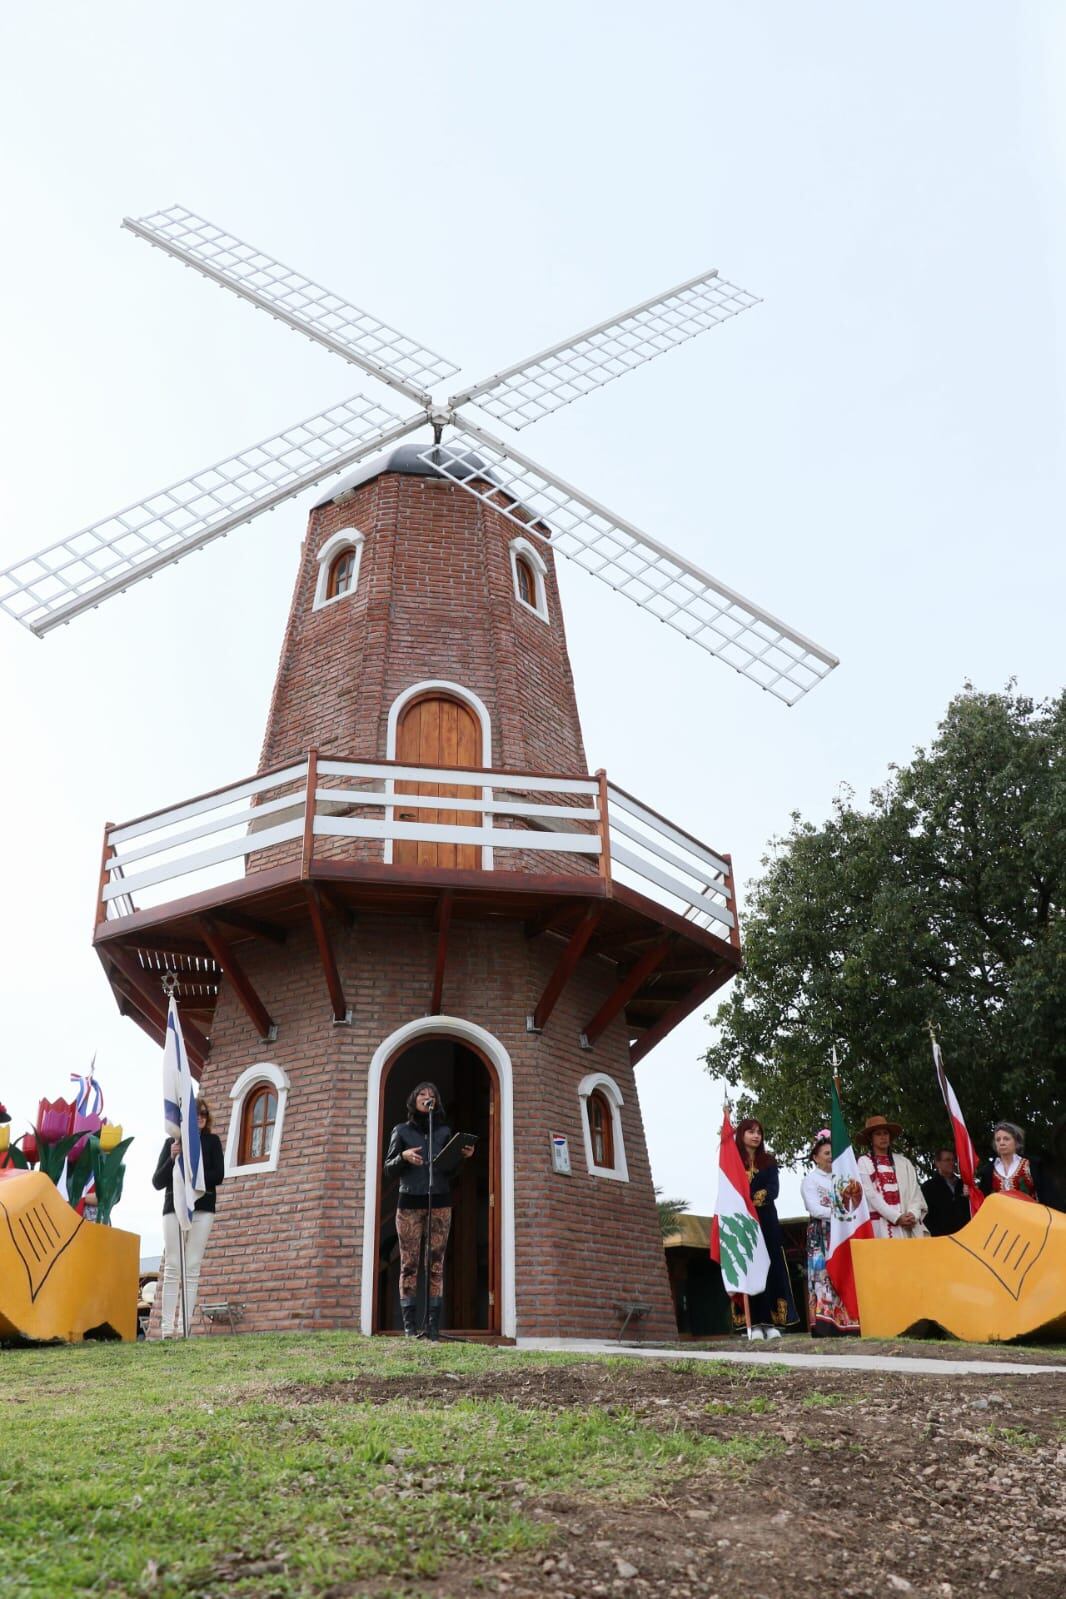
197 1235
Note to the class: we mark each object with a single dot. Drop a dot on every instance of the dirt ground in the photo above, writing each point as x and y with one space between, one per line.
879 1484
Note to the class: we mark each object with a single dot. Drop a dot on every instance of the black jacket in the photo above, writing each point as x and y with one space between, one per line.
948 1209
214 1172
414 1180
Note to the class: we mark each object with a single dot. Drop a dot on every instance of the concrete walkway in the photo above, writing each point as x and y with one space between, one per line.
776 1353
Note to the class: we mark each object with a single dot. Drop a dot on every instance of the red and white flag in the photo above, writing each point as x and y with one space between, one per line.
737 1243
965 1153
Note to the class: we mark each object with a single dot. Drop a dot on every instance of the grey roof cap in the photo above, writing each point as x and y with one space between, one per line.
404 459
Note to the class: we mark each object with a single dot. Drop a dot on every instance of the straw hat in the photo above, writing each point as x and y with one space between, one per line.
874 1124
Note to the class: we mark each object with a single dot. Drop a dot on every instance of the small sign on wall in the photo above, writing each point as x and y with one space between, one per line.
560 1155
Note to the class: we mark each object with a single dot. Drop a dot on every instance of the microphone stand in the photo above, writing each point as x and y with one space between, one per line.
427 1254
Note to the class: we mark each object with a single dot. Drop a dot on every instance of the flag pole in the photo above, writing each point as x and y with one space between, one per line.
170 989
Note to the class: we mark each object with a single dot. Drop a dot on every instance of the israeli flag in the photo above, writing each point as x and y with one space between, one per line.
179 1115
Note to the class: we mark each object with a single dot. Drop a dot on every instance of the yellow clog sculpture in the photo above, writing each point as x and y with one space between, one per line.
1001 1277
61 1277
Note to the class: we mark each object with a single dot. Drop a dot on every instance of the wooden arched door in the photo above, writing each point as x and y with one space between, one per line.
436 730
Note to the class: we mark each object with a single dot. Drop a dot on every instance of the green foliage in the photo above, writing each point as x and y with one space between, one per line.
670 1212
942 902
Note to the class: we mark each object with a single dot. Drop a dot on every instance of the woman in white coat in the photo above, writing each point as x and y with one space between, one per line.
890 1183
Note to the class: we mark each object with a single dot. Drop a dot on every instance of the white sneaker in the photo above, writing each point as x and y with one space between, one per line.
772 1332
755 1335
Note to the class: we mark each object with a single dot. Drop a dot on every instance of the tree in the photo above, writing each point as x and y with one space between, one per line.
670 1213
942 902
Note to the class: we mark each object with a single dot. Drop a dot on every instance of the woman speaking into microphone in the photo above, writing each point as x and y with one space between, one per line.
412 1155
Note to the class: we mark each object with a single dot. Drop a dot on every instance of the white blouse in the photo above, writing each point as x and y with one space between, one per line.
816 1189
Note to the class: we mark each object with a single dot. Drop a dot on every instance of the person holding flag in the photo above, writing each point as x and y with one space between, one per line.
827 1314
737 1243
189 1170
965 1153
766 1310
849 1215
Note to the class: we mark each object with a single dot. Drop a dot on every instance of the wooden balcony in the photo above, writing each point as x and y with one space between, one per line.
574 858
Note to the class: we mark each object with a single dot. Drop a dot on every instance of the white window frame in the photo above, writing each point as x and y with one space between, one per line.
539 568
263 1072
345 538
600 1082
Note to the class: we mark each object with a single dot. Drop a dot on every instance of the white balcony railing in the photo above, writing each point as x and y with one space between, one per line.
353 810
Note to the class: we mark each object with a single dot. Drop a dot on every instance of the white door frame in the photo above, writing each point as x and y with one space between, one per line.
464 1032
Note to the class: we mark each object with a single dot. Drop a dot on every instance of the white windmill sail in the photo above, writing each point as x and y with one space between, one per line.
353 334
715 617
543 383
44 590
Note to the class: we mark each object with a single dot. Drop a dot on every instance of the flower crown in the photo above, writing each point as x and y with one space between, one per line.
823 1132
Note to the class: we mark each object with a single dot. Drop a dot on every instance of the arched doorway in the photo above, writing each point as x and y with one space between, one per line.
470 1089
437 729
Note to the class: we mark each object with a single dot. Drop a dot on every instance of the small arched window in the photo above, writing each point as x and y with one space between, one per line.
341 575
601 1126
338 567
527 583
601 1129
257 1125
257 1116
529 570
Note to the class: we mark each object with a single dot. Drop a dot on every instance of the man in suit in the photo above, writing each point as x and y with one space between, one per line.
946 1196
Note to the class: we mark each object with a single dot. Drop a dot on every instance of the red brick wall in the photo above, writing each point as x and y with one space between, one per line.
435 599
289 1243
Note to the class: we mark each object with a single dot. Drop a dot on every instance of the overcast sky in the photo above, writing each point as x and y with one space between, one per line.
874 453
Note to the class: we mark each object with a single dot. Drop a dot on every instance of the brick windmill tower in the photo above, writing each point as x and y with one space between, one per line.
423 879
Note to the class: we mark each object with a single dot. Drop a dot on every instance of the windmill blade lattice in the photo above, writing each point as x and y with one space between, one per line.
47 589
543 383
354 335
715 617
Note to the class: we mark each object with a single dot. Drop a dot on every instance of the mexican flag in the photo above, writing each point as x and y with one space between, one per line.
850 1215
737 1242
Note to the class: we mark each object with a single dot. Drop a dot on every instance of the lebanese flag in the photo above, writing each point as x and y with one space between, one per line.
965 1153
737 1243
849 1216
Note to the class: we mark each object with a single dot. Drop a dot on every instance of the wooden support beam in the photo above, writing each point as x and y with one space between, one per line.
131 1002
148 987
242 987
677 1013
324 943
253 924
558 911
337 904
566 964
443 919
623 992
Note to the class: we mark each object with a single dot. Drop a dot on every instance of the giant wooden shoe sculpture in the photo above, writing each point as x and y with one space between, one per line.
61 1277
1003 1276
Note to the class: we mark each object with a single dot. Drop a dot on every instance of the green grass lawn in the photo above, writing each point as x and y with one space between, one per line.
207 1466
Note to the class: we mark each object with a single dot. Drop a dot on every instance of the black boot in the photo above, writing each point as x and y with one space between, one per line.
433 1320
408 1308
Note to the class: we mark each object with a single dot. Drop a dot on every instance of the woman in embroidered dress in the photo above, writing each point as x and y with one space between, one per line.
890 1183
827 1314
1009 1173
773 1309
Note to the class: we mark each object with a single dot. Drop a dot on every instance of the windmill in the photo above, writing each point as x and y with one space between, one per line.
59 583
423 878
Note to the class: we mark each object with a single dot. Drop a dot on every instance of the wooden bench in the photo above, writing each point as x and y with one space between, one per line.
630 1310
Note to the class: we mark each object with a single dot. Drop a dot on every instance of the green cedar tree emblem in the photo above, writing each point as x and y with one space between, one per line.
737 1237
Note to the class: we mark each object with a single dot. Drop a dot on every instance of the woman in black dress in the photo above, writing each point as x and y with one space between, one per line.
774 1309
407 1157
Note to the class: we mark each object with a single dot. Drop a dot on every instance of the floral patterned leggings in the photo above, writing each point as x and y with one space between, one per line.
411 1230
